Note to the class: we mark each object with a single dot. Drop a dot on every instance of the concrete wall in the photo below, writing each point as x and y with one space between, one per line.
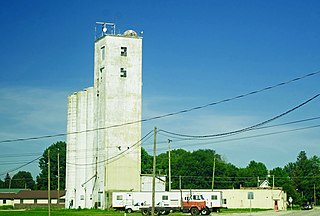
100 157
120 103
71 149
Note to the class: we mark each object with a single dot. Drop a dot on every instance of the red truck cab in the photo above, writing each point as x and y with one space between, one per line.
195 204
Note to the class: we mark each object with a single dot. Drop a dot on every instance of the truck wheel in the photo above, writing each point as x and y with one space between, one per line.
194 211
205 211
145 212
156 212
164 212
129 210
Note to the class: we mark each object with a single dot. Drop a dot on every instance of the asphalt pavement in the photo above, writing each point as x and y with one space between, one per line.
313 212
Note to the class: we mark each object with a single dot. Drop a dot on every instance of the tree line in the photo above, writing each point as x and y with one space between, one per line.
199 169
24 179
205 169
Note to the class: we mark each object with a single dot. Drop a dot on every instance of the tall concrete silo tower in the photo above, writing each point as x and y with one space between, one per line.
103 145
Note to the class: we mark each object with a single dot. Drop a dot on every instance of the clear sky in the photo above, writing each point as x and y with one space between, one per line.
194 53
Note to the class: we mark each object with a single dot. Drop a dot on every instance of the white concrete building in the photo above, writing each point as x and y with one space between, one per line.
103 150
267 198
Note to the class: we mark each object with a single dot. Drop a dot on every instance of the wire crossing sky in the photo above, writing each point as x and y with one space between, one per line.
181 112
252 58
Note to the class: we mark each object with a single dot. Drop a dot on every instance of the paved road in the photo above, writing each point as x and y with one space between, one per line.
313 212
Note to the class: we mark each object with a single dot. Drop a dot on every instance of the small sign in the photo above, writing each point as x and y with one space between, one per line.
290 199
250 195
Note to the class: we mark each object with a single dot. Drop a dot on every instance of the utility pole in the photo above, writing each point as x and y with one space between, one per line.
169 140
272 181
49 194
213 171
154 170
58 200
314 195
180 187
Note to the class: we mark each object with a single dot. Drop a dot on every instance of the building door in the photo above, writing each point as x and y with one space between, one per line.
276 205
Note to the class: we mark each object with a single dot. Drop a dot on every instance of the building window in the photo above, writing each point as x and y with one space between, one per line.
4 201
214 197
123 72
119 197
103 50
123 51
165 197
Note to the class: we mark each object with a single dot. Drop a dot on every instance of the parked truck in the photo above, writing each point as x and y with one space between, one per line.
200 202
194 204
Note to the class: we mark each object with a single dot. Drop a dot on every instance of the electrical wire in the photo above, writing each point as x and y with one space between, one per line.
18 155
254 136
168 114
258 128
146 137
244 129
19 167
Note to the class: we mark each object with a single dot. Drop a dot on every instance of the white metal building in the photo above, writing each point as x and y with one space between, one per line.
103 150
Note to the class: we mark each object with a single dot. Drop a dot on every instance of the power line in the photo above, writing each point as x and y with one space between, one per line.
168 114
233 139
262 135
12 170
244 129
147 136
258 128
18 155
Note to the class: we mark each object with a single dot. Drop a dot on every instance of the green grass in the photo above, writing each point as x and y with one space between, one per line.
89 212
242 210
64 212
6 207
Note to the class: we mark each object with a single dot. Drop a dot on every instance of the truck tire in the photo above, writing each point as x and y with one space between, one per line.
194 211
145 212
162 212
205 211
129 210
156 212
165 212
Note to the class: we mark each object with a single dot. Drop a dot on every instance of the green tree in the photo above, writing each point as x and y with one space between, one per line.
22 179
283 179
249 176
146 162
195 169
306 172
300 173
225 175
42 178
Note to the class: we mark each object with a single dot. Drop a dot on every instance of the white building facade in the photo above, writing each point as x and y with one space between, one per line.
104 128
268 198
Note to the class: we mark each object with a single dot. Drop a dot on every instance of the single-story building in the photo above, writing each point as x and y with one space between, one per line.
31 198
255 197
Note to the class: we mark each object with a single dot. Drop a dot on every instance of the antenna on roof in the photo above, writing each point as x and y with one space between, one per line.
105 29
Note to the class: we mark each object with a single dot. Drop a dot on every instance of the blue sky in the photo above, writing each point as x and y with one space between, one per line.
194 53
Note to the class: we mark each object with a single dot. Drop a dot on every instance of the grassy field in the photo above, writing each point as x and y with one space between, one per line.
63 212
84 212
